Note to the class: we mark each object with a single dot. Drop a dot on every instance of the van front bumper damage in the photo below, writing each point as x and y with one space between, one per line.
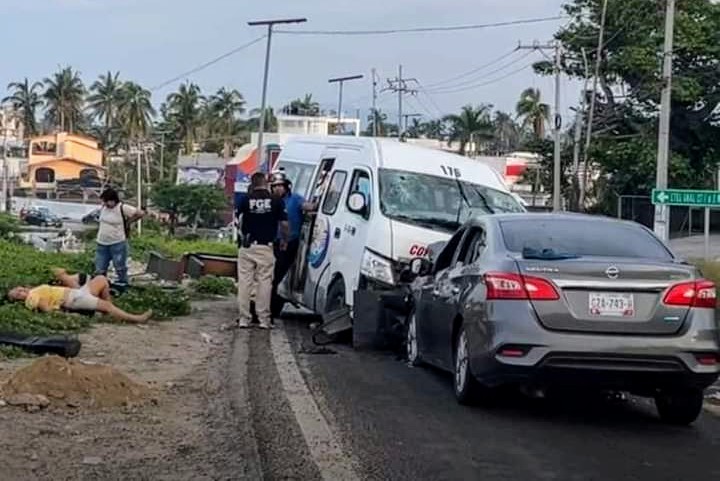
379 316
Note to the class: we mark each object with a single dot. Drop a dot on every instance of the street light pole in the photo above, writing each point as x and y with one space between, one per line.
5 203
341 81
139 185
662 212
557 195
261 128
374 103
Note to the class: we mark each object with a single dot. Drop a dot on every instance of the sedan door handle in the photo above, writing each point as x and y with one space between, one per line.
337 232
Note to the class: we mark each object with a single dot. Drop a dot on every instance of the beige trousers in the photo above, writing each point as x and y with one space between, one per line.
255 274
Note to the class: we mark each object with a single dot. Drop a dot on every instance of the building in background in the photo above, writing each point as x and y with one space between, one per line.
62 157
201 168
302 125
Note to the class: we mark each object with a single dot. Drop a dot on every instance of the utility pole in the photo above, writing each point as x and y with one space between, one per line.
399 85
374 104
261 129
588 139
557 121
5 200
341 81
139 185
162 152
579 127
662 212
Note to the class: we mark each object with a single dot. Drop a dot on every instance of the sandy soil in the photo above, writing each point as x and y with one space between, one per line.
186 431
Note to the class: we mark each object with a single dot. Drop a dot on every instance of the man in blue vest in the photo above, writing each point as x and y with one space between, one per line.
295 207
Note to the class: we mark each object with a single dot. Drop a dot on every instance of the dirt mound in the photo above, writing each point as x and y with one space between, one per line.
72 383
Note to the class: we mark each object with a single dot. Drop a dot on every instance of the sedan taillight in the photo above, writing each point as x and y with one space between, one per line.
701 293
508 286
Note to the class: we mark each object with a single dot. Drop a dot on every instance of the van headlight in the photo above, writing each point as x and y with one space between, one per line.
377 268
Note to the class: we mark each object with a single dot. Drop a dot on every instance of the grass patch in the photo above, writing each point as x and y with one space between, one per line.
214 286
164 303
13 352
711 271
173 248
16 318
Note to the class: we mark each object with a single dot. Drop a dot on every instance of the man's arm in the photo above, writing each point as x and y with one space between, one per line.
132 214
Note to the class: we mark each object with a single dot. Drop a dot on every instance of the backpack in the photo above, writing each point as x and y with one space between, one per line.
126 226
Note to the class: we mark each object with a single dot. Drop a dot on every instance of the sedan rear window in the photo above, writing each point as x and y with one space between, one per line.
582 237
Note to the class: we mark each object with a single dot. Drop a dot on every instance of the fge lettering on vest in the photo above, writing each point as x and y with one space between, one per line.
260 206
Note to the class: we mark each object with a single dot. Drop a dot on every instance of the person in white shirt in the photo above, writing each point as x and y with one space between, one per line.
112 238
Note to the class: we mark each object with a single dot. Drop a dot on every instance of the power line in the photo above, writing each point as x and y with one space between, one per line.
422 29
474 70
487 75
489 82
207 64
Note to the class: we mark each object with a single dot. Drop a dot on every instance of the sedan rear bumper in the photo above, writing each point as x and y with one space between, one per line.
629 362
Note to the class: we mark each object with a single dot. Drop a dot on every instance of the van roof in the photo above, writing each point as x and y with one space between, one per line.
391 154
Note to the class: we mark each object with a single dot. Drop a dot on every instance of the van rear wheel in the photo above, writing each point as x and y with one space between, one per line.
335 298
679 406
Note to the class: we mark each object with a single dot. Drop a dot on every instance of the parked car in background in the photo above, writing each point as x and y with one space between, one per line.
42 217
546 300
92 217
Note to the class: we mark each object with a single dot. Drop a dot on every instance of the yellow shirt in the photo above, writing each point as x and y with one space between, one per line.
53 295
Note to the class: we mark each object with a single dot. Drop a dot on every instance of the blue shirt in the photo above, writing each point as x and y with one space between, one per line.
294 208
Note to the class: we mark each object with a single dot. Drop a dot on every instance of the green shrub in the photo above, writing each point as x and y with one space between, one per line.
173 248
9 225
22 264
214 285
12 352
164 303
16 318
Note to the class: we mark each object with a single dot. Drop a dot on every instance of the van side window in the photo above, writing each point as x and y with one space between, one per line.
321 179
334 192
361 183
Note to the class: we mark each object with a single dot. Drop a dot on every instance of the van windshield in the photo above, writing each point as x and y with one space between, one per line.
438 202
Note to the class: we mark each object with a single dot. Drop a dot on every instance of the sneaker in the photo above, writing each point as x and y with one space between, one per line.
243 325
265 326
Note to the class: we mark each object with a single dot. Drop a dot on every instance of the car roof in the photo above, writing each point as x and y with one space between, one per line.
529 216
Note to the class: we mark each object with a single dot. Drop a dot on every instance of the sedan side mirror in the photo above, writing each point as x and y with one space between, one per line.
357 203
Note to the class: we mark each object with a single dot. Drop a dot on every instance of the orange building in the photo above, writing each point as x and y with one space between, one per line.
61 156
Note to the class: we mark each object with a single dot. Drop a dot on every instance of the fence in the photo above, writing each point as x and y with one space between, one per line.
684 221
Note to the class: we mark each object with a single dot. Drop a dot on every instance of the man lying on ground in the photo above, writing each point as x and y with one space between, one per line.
93 296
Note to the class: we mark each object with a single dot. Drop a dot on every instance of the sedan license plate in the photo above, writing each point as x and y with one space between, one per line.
611 304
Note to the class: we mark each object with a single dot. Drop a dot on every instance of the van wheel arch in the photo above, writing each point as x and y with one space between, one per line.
336 290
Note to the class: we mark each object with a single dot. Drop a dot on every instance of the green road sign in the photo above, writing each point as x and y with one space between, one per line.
688 198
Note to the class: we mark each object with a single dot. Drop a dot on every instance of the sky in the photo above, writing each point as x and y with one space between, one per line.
152 41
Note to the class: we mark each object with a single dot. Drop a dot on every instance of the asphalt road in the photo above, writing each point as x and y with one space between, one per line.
402 423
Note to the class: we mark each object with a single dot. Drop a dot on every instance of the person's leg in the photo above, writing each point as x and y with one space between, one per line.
245 271
283 262
99 286
108 307
102 259
119 253
265 263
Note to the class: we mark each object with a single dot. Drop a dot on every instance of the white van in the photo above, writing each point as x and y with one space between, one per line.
380 203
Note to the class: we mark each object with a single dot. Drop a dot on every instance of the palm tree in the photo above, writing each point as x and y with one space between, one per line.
64 98
506 131
303 106
224 107
470 125
434 129
25 97
384 128
135 111
105 98
533 111
185 111
270 120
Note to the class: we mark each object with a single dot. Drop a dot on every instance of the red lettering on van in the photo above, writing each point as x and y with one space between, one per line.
418 250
